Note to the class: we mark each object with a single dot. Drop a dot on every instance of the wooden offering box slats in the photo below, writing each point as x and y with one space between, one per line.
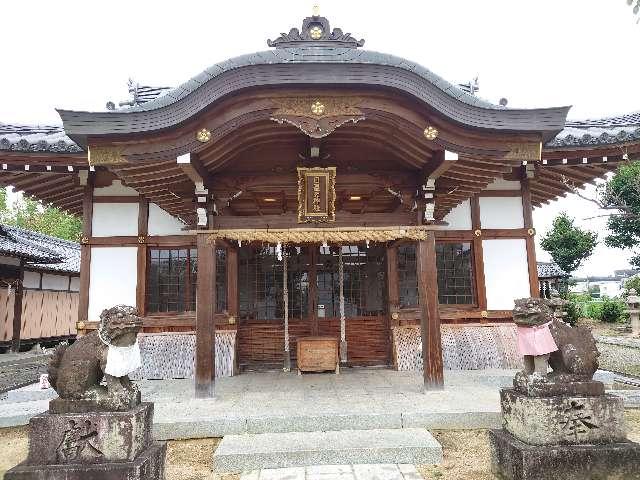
318 354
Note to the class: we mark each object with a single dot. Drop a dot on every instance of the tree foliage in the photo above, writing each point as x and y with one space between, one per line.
567 244
33 215
622 193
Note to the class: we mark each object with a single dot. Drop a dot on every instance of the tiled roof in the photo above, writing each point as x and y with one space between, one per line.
603 131
29 138
40 250
550 270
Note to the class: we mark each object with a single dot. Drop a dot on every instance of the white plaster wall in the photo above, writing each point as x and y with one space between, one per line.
75 284
163 223
506 272
9 260
501 212
460 217
114 219
55 282
115 189
31 279
500 184
113 278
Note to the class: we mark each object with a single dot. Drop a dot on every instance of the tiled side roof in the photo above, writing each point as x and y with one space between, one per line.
550 270
29 138
603 131
40 250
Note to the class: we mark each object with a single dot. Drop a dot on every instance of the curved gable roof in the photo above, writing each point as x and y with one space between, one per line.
298 59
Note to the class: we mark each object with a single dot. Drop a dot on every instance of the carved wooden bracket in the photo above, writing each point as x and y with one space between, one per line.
317 117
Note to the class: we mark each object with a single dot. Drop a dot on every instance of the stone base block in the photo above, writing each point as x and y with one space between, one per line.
512 459
96 437
61 405
563 420
148 466
535 386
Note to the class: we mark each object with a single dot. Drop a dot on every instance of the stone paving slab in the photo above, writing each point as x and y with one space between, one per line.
237 453
337 472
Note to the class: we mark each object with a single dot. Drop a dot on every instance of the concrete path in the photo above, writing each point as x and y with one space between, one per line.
337 472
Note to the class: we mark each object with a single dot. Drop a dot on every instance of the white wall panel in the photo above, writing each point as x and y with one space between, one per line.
116 189
75 284
31 279
460 217
501 212
163 223
113 278
506 272
500 184
115 219
55 282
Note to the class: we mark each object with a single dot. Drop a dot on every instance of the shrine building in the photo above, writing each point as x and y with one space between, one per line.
314 190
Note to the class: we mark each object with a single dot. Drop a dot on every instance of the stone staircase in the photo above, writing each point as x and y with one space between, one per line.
237 453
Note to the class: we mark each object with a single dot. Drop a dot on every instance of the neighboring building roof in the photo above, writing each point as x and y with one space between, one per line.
30 138
595 132
304 58
550 270
41 251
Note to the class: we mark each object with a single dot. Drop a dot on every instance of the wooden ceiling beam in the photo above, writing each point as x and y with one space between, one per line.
193 168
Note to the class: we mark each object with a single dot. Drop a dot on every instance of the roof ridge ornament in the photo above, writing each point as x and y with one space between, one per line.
315 32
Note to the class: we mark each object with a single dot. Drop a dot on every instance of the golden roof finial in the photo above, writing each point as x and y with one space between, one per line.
316 10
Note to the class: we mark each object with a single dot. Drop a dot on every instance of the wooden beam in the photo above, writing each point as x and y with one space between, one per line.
193 168
429 314
205 323
85 250
441 161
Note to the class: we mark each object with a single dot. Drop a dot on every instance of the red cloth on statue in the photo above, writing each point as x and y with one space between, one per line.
536 340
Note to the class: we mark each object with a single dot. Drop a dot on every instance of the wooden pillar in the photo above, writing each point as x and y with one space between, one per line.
85 251
233 305
205 322
17 310
527 211
393 290
478 259
143 231
429 313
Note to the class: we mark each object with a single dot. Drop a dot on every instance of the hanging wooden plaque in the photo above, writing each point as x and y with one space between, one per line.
316 194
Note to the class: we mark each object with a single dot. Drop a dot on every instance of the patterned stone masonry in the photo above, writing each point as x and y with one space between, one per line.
463 347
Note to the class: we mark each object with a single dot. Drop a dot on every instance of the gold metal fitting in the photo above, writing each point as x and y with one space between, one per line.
232 320
203 135
484 314
84 240
80 325
315 32
395 315
531 232
317 108
431 133
142 239
477 233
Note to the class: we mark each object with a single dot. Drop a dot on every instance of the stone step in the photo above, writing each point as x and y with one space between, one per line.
238 453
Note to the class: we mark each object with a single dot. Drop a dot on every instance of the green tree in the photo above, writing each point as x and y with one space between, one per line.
622 193
567 244
31 214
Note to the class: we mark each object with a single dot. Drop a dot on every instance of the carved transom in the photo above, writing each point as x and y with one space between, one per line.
317 117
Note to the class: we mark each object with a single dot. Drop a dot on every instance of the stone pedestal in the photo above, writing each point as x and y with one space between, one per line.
563 420
96 445
512 459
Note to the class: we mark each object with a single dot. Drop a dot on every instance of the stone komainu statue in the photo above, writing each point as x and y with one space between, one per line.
546 341
110 354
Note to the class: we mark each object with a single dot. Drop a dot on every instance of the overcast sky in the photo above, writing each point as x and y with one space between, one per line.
79 54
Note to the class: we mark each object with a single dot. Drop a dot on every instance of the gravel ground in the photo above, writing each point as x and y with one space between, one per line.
18 375
466 454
